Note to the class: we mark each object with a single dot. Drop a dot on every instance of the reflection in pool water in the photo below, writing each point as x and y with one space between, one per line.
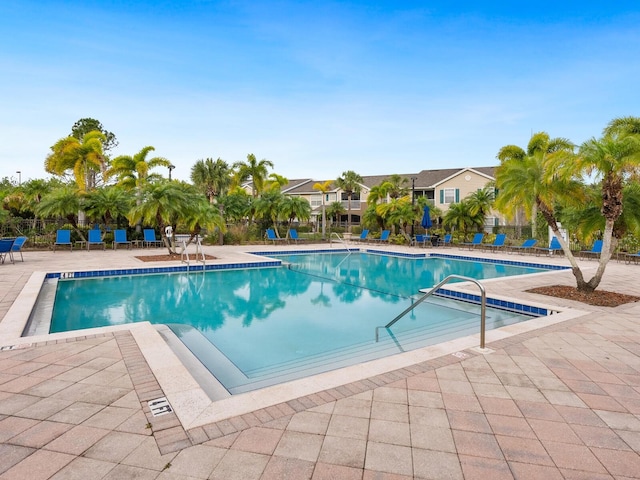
272 324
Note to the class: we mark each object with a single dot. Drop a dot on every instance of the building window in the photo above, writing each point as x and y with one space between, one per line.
354 196
316 200
449 195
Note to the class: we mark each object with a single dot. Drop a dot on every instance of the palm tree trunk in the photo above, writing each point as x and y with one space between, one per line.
605 256
534 216
324 219
566 248
220 234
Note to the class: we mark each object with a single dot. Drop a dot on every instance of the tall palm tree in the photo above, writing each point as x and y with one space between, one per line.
80 157
323 188
254 170
519 177
350 182
214 180
611 158
132 172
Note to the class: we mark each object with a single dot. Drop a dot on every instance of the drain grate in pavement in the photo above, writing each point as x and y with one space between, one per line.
160 406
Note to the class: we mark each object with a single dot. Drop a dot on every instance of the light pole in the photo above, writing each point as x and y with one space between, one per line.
171 167
413 202
19 177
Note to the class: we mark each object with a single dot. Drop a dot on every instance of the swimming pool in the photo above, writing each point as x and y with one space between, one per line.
257 327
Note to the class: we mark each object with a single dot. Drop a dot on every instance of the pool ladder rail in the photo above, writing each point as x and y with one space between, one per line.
199 254
340 240
483 304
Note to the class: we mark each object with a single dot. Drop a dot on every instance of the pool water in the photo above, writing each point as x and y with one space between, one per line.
258 327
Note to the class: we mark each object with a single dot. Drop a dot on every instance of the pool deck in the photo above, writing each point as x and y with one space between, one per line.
558 398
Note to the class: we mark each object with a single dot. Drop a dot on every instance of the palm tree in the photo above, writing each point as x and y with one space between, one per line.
519 177
611 158
275 182
460 217
295 207
253 170
107 203
480 203
214 180
378 193
132 172
62 202
398 211
587 220
79 157
396 186
237 205
269 207
202 214
164 203
323 188
211 178
334 210
350 182
26 197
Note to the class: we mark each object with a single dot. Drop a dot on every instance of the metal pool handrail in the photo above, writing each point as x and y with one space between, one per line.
340 240
199 250
483 304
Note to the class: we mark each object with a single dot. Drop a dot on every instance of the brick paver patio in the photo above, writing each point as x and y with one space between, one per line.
562 402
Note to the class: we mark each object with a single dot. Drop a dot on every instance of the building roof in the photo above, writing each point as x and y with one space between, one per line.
425 179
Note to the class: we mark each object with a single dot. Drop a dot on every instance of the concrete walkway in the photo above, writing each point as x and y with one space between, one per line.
559 402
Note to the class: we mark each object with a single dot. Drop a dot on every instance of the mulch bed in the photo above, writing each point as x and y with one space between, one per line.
599 298
168 258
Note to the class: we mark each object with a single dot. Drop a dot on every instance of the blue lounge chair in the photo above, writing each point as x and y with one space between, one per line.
476 242
553 247
498 242
150 238
526 246
384 237
120 238
293 234
445 241
363 236
17 246
271 236
95 238
632 257
422 240
63 237
6 244
595 251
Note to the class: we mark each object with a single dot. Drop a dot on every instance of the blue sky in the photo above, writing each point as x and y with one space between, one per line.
316 87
